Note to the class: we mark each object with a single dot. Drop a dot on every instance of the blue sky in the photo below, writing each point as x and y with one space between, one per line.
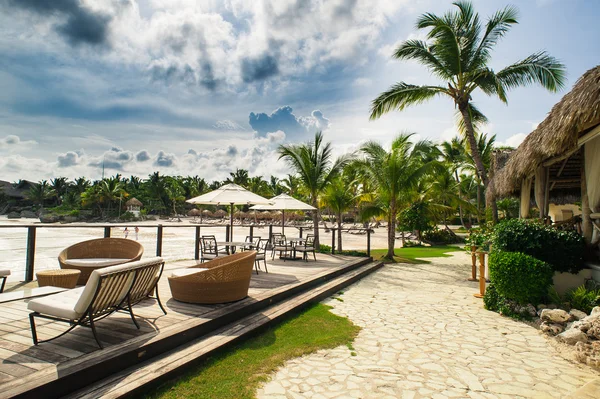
203 87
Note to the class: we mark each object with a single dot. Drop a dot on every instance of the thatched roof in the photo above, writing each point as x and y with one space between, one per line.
194 212
134 202
574 115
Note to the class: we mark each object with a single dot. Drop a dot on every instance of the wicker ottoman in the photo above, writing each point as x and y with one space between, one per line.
64 278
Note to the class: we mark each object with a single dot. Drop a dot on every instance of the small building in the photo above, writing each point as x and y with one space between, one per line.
557 166
134 206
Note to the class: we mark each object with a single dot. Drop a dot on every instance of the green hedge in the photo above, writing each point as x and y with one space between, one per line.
563 250
520 277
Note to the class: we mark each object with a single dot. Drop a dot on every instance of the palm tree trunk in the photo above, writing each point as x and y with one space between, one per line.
339 220
478 204
391 232
316 221
464 110
460 211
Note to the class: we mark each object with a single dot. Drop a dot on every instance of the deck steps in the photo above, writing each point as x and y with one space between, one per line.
151 372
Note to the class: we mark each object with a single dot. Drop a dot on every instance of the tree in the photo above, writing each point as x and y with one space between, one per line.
393 174
81 184
239 177
259 186
314 164
458 51
453 154
339 198
59 186
40 192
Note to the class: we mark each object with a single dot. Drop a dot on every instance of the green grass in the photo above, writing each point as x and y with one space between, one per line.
415 255
237 372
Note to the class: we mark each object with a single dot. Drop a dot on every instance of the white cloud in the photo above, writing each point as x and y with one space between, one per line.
362 82
13 142
513 141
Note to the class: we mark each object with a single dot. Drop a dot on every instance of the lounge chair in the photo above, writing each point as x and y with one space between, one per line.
108 290
221 280
90 255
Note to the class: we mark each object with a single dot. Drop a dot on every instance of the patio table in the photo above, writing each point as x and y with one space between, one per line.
231 245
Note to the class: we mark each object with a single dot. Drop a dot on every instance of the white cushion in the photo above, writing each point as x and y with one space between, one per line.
187 272
4 272
260 256
59 305
95 262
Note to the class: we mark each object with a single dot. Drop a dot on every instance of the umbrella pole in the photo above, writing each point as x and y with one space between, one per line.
230 223
283 221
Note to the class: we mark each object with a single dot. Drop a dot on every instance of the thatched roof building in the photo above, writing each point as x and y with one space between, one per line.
574 117
134 202
560 158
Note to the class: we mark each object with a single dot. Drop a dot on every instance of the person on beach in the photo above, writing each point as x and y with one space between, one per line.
126 232
137 231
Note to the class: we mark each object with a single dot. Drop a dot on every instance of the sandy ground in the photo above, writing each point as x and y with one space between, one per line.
178 243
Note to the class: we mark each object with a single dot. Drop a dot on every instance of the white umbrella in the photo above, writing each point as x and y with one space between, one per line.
230 194
282 203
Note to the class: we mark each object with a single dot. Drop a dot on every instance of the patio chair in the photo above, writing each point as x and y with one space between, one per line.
90 255
279 244
221 280
107 290
307 247
261 248
4 273
209 248
252 242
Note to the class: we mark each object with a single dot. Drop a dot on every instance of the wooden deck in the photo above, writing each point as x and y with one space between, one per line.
74 360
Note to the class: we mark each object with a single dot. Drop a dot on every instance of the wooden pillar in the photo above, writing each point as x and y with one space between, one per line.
547 193
481 292
270 231
332 241
197 244
586 222
159 236
30 260
107 232
473 263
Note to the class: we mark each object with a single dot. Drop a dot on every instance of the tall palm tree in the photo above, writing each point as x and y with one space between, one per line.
59 187
453 154
458 51
40 192
485 147
339 198
239 177
81 184
393 173
314 164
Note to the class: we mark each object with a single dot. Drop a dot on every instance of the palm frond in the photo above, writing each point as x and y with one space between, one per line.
419 51
538 68
402 95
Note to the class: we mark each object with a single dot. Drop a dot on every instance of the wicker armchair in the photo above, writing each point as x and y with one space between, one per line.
221 280
106 252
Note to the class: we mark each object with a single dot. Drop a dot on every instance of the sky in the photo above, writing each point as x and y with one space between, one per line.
190 87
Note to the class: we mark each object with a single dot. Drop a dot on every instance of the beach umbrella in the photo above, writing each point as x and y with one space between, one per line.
220 213
194 212
284 202
230 194
207 213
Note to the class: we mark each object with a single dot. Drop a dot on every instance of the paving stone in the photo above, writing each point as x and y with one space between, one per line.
424 335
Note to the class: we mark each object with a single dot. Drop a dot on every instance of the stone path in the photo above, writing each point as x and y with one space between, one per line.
424 335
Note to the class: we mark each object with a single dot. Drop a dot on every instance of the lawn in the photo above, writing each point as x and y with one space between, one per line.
416 254
237 372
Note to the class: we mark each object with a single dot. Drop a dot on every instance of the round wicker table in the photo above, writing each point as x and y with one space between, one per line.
64 278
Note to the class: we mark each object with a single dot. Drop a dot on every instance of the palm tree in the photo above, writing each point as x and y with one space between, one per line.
40 192
314 164
259 186
393 174
339 198
453 154
485 147
239 177
81 184
59 187
458 51
110 190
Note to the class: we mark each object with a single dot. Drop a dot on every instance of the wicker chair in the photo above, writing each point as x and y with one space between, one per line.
90 255
221 280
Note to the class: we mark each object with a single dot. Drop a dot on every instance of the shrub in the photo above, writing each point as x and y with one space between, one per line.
480 237
491 299
441 236
520 277
583 299
324 249
127 216
561 249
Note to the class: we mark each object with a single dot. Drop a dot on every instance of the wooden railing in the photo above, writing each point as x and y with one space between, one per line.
32 233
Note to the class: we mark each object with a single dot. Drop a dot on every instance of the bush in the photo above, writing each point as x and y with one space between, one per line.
583 299
520 277
324 249
491 299
441 236
561 249
127 216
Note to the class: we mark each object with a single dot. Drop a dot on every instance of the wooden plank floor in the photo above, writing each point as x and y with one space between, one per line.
20 360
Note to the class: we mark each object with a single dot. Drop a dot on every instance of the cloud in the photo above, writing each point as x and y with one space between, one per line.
232 151
142 156
513 141
12 142
70 158
116 158
79 25
164 159
260 68
283 119
226 124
